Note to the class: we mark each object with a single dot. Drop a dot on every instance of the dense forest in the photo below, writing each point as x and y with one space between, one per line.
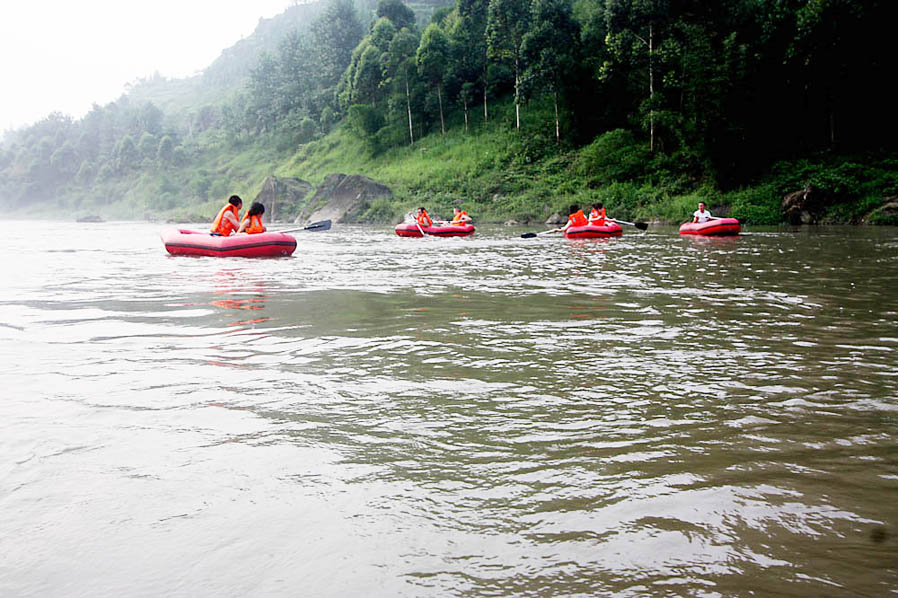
514 106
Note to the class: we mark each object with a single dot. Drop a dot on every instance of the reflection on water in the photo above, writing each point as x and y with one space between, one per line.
646 415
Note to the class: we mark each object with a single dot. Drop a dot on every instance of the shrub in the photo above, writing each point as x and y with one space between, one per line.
757 205
615 156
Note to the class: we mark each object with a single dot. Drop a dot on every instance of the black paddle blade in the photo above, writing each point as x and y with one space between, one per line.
641 225
318 226
528 235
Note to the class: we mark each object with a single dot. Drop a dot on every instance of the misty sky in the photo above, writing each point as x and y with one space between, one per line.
66 55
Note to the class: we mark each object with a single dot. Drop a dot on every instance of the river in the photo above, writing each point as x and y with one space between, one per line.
488 416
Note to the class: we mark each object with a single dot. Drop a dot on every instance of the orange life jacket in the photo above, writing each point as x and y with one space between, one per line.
424 219
578 218
255 224
222 225
457 219
597 217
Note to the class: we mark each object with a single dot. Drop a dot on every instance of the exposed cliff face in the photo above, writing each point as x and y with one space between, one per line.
283 197
805 206
342 198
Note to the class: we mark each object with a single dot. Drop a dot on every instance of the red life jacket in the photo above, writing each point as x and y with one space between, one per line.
222 225
578 218
597 217
424 219
255 225
457 219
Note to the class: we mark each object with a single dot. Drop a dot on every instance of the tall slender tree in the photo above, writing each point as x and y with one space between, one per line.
432 57
507 23
550 49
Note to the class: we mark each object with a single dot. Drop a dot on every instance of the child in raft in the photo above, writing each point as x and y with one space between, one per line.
252 221
597 214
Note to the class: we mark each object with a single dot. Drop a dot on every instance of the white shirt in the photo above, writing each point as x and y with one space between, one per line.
702 216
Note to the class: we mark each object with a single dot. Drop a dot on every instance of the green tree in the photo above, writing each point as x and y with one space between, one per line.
335 34
550 49
399 69
86 173
633 30
397 12
507 23
126 154
165 150
469 47
150 118
431 58
147 145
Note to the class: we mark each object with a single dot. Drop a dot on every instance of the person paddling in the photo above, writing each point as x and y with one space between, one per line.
460 217
577 218
252 222
228 219
422 218
597 214
701 214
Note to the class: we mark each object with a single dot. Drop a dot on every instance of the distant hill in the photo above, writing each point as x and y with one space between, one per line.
229 71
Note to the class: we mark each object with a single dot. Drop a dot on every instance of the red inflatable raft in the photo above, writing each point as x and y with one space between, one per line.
407 229
591 231
715 226
191 242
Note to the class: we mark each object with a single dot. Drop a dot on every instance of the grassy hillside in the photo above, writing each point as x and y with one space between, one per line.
498 174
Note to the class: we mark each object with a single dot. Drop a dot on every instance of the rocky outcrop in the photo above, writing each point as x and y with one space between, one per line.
556 218
342 198
283 197
805 206
884 214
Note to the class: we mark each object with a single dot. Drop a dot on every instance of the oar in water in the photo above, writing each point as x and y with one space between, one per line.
639 225
531 235
418 224
314 227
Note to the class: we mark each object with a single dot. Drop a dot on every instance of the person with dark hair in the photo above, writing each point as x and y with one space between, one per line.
701 214
252 221
577 218
422 218
597 215
460 217
228 219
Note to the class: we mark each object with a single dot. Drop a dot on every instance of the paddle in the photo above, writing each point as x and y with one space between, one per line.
314 227
418 224
531 235
639 225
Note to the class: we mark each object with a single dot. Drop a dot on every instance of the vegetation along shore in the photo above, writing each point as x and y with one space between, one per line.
769 112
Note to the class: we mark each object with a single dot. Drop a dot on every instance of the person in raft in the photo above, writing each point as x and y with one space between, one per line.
422 218
597 214
228 219
577 218
701 214
252 221
460 217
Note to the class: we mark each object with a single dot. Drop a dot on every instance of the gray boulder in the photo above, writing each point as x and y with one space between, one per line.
342 198
805 206
282 197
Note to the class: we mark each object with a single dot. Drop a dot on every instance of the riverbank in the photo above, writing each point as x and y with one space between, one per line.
498 174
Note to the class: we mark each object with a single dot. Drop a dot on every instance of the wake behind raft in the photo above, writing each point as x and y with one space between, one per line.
179 241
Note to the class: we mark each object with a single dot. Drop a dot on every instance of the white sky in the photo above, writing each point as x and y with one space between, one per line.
66 55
